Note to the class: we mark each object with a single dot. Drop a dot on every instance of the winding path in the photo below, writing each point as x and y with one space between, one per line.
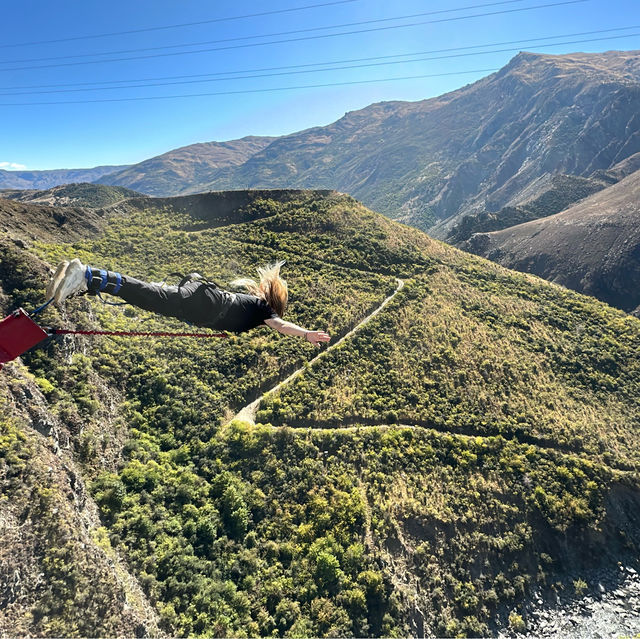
248 413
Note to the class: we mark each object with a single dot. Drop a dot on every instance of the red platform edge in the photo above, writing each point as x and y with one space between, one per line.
18 333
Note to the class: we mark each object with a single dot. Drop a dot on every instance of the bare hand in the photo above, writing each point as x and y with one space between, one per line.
315 337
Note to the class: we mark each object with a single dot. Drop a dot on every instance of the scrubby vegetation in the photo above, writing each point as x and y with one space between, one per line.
471 350
53 580
461 450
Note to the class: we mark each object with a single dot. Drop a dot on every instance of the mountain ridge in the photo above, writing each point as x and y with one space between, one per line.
74 194
187 168
473 149
549 194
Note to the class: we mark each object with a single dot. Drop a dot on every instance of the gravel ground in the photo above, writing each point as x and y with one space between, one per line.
610 610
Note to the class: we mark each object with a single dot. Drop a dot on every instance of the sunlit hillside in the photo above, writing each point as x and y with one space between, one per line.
475 443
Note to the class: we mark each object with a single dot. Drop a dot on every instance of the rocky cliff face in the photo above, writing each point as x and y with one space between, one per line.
56 561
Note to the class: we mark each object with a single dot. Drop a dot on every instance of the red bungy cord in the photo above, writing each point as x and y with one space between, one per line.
66 331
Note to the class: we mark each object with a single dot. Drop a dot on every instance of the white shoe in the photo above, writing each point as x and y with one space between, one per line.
56 279
73 282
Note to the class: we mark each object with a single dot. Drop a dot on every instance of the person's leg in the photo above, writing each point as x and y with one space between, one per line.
149 297
78 279
184 302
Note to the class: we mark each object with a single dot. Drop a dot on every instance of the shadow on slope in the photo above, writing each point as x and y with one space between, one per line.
222 208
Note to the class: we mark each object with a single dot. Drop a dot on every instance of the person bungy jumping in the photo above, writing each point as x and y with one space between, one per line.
193 300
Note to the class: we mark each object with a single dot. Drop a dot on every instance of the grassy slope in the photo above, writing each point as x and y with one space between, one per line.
472 348
525 395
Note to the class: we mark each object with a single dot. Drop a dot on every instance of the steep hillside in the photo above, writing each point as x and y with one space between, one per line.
592 247
545 196
551 194
185 170
83 194
27 222
489 145
54 177
622 169
475 443
59 574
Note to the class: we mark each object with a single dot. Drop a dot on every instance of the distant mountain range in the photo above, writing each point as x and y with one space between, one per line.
190 169
490 147
48 179
479 148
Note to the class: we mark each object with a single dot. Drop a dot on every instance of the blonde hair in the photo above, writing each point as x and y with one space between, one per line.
272 288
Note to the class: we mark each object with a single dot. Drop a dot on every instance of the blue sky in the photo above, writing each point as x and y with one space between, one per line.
83 130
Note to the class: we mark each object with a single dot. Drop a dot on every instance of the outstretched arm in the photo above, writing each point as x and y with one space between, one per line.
287 328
